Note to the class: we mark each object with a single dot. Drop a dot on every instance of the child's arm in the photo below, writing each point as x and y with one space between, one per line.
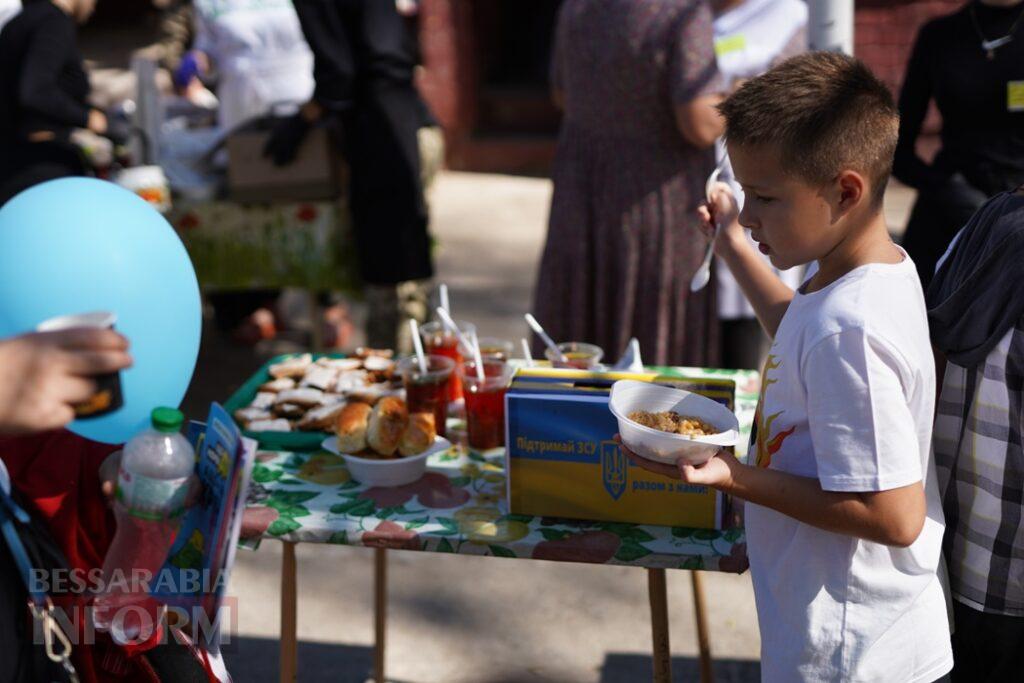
768 295
894 517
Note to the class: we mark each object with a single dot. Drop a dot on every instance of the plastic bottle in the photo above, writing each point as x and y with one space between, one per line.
152 485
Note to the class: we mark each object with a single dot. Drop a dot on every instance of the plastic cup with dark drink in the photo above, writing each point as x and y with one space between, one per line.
485 403
108 397
427 392
495 349
440 341
578 355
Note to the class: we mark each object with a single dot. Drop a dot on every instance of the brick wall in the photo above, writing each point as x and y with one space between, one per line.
884 35
884 32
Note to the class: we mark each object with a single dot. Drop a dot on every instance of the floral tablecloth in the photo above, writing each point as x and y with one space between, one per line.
460 507
283 244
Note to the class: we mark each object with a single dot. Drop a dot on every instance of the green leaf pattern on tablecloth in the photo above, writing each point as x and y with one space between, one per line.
460 506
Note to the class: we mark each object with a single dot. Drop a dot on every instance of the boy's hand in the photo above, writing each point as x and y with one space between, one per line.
666 470
723 210
716 472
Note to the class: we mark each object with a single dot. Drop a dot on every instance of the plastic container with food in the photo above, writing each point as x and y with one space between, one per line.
628 396
395 471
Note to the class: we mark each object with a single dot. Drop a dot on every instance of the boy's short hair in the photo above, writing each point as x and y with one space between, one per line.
824 112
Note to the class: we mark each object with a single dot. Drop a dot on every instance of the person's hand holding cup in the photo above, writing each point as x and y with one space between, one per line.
68 369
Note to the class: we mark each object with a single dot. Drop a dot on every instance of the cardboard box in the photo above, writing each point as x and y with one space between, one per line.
315 174
562 462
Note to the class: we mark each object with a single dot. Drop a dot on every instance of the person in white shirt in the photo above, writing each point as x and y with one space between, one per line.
844 521
750 37
8 8
259 53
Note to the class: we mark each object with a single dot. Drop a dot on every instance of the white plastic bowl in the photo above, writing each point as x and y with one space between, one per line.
397 472
654 444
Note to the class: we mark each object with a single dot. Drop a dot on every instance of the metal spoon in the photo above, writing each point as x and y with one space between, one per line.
703 274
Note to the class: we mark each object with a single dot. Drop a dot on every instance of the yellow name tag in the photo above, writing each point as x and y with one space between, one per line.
1015 96
727 44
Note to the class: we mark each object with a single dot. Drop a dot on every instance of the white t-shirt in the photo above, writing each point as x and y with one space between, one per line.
259 50
847 397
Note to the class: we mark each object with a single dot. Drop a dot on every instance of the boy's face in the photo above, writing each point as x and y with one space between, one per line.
791 220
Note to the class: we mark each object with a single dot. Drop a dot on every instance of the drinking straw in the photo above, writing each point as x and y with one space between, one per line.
526 353
417 343
443 289
477 357
447 321
535 326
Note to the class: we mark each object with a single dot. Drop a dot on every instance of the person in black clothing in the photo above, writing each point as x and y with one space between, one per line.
43 95
364 56
971 63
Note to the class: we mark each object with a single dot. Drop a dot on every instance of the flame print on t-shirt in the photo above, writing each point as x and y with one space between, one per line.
767 444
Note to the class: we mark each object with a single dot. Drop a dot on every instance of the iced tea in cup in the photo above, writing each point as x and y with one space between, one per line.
427 392
578 355
495 349
438 340
485 403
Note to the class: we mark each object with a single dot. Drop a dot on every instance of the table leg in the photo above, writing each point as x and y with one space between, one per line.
659 625
380 611
706 672
315 322
289 637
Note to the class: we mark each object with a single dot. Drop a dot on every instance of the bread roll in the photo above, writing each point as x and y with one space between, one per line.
387 423
321 419
419 434
351 426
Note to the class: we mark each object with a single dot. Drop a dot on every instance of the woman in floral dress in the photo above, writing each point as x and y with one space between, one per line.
637 81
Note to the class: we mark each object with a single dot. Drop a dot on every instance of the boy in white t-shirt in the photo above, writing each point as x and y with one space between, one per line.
843 518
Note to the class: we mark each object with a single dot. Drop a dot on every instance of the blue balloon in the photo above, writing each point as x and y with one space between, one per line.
78 245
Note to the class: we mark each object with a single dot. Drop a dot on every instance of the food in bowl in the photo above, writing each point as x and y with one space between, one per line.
672 422
386 431
630 396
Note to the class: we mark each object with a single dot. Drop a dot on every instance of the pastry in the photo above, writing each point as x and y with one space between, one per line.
263 399
340 364
370 394
252 414
292 367
304 396
278 425
320 378
419 434
276 385
387 423
364 352
351 381
289 410
320 419
350 427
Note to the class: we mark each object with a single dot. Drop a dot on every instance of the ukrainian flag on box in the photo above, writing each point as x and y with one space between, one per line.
562 461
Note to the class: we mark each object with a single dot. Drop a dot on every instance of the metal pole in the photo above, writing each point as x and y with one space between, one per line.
830 25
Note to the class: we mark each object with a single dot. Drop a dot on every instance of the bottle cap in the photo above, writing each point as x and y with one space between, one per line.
167 419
